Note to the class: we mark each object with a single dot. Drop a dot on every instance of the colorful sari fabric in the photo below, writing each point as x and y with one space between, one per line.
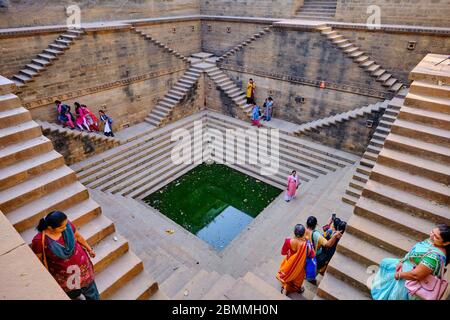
384 285
268 110
292 270
292 185
250 92
64 256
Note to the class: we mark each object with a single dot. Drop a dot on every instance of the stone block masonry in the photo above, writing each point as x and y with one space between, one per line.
409 12
52 12
251 8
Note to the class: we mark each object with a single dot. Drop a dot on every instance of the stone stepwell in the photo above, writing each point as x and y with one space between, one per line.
34 181
137 168
407 192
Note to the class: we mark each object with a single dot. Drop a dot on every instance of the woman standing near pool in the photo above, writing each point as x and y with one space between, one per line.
292 185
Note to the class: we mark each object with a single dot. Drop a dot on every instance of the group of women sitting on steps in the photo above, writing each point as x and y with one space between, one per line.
84 118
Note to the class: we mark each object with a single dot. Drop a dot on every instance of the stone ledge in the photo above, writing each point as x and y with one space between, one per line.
309 82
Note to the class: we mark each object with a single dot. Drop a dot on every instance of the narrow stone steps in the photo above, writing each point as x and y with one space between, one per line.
418 185
34 188
23 150
415 226
422 132
427 168
404 200
426 88
20 132
427 102
331 288
108 250
349 271
177 280
362 251
26 169
9 101
140 287
197 286
12 117
119 272
218 288
418 147
28 215
380 235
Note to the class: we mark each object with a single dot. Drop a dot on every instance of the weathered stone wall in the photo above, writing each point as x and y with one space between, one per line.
251 8
217 100
182 36
390 49
409 12
289 65
76 149
118 70
53 12
352 136
318 103
218 37
17 51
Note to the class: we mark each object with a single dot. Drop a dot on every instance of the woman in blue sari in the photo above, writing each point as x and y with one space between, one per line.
268 109
425 258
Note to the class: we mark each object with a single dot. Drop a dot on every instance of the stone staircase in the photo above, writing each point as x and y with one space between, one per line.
408 189
161 113
236 94
34 181
159 44
341 117
46 58
310 160
241 46
178 273
136 168
317 10
370 156
142 166
362 59
48 127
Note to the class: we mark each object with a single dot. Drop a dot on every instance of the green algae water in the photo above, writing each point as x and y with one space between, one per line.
213 199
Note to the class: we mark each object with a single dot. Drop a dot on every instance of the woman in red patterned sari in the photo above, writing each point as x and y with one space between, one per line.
63 251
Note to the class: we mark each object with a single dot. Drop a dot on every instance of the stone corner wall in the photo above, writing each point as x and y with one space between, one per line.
352 136
422 13
75 148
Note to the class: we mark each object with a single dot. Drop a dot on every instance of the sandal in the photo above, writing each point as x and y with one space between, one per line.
302 289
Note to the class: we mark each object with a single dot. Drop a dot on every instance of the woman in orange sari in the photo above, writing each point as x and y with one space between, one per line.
292 269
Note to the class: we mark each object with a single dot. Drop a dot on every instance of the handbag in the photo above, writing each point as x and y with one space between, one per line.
429 288
311 264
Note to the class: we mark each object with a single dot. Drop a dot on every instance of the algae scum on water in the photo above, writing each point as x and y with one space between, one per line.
213 201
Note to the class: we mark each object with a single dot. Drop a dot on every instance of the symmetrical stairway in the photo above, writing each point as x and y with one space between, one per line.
362 59
370 156
220 78
34 181
239 47
408 189
341 117
179 275
175 96
160 44
317 10
48 127
46 58
138 168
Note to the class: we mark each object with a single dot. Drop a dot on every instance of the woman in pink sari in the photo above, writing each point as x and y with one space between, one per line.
292 185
